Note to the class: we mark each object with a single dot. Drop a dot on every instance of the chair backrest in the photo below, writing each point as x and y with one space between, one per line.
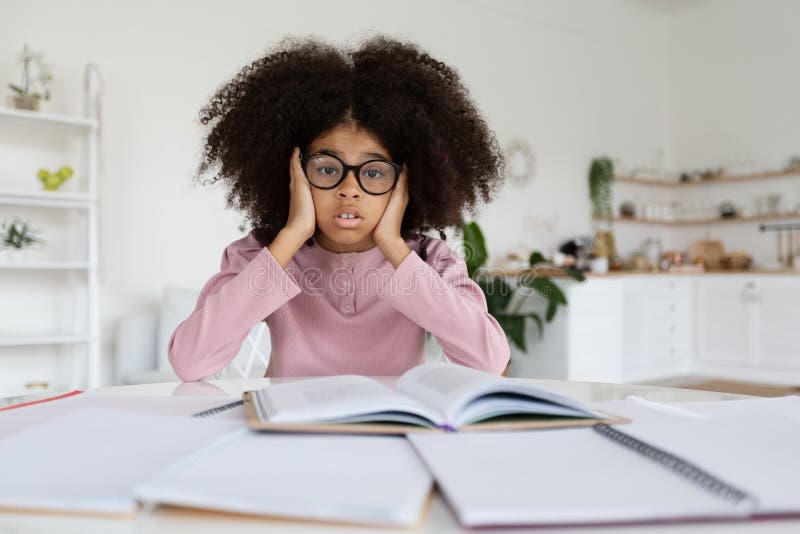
253 357
177 303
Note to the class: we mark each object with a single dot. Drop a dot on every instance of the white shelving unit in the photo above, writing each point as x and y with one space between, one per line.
83 274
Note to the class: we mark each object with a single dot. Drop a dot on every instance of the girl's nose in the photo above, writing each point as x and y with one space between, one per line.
349 187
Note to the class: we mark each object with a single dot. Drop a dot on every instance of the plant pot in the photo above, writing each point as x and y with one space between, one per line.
24 102
16 255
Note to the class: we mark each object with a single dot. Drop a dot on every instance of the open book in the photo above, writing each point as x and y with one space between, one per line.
435 396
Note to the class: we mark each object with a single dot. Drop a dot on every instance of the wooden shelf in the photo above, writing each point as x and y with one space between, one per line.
718 220
55 119
731 178
555 273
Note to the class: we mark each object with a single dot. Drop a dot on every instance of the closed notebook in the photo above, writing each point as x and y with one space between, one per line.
432 397
733 467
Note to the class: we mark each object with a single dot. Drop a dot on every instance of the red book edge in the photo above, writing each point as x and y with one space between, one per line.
22 405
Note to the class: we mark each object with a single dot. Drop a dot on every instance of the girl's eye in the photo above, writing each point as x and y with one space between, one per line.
329 171
372 173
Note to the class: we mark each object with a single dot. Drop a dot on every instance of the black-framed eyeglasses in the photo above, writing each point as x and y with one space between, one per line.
326 171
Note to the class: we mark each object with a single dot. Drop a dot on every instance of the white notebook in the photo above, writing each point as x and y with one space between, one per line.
582 476
376 480
101 461
89 460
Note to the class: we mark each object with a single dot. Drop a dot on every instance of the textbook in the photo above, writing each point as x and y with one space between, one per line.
429 397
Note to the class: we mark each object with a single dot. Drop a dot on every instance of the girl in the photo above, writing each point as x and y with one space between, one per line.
381 144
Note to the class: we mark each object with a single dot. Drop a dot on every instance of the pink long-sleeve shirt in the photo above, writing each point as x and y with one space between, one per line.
339 313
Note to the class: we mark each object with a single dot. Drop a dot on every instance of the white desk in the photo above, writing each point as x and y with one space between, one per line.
438 518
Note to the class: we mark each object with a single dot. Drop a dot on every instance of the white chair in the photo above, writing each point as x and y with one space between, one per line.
141 341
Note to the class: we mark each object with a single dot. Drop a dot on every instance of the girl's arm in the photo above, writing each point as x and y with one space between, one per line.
251 285
443 300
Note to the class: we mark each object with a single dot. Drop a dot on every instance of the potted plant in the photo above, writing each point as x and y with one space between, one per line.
499 291
17 238
601 181
35 78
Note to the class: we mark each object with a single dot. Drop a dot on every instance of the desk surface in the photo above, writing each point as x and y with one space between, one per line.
438 518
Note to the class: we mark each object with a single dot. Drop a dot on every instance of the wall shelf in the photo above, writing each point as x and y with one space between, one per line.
731 178
52 119
46 265
46 199
17 341
718 220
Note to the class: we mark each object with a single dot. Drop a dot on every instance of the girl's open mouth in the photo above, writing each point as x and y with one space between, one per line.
347 220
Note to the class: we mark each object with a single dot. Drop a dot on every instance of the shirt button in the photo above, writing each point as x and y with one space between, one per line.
347 309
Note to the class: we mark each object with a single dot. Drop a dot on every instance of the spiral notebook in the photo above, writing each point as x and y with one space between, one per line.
725 468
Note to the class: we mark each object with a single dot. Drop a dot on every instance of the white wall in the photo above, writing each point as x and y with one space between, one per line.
575 78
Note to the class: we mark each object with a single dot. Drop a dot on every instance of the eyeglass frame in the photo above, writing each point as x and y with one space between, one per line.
398 168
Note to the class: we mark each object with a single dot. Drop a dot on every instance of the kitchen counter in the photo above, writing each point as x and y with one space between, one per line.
555 273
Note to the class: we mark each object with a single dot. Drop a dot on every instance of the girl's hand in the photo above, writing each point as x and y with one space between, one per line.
387 232
301 221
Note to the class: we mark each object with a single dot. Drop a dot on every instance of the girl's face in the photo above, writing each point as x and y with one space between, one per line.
353 146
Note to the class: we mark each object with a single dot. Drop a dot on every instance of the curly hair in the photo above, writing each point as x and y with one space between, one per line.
414 104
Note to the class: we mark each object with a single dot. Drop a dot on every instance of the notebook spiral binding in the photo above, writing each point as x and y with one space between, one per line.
676 464
218 409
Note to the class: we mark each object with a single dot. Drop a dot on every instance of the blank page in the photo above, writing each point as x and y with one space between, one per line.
16 419
567 476
758 452
358 479
90 460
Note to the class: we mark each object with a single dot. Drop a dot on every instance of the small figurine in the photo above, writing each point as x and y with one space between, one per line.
52 181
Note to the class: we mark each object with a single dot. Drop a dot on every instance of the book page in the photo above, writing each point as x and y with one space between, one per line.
465 394
356 479
344 398
558 477
757 451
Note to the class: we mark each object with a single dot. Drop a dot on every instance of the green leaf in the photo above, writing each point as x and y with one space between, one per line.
538 320
552 307
474 247
546 288
536 258
514 327
575 274
497 291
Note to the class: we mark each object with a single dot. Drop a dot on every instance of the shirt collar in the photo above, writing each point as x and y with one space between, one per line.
371 257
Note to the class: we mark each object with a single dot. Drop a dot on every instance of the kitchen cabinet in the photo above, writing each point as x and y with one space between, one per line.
750 321
647 327
657 328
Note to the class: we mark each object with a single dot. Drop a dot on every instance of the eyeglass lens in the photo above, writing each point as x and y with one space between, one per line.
325 171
